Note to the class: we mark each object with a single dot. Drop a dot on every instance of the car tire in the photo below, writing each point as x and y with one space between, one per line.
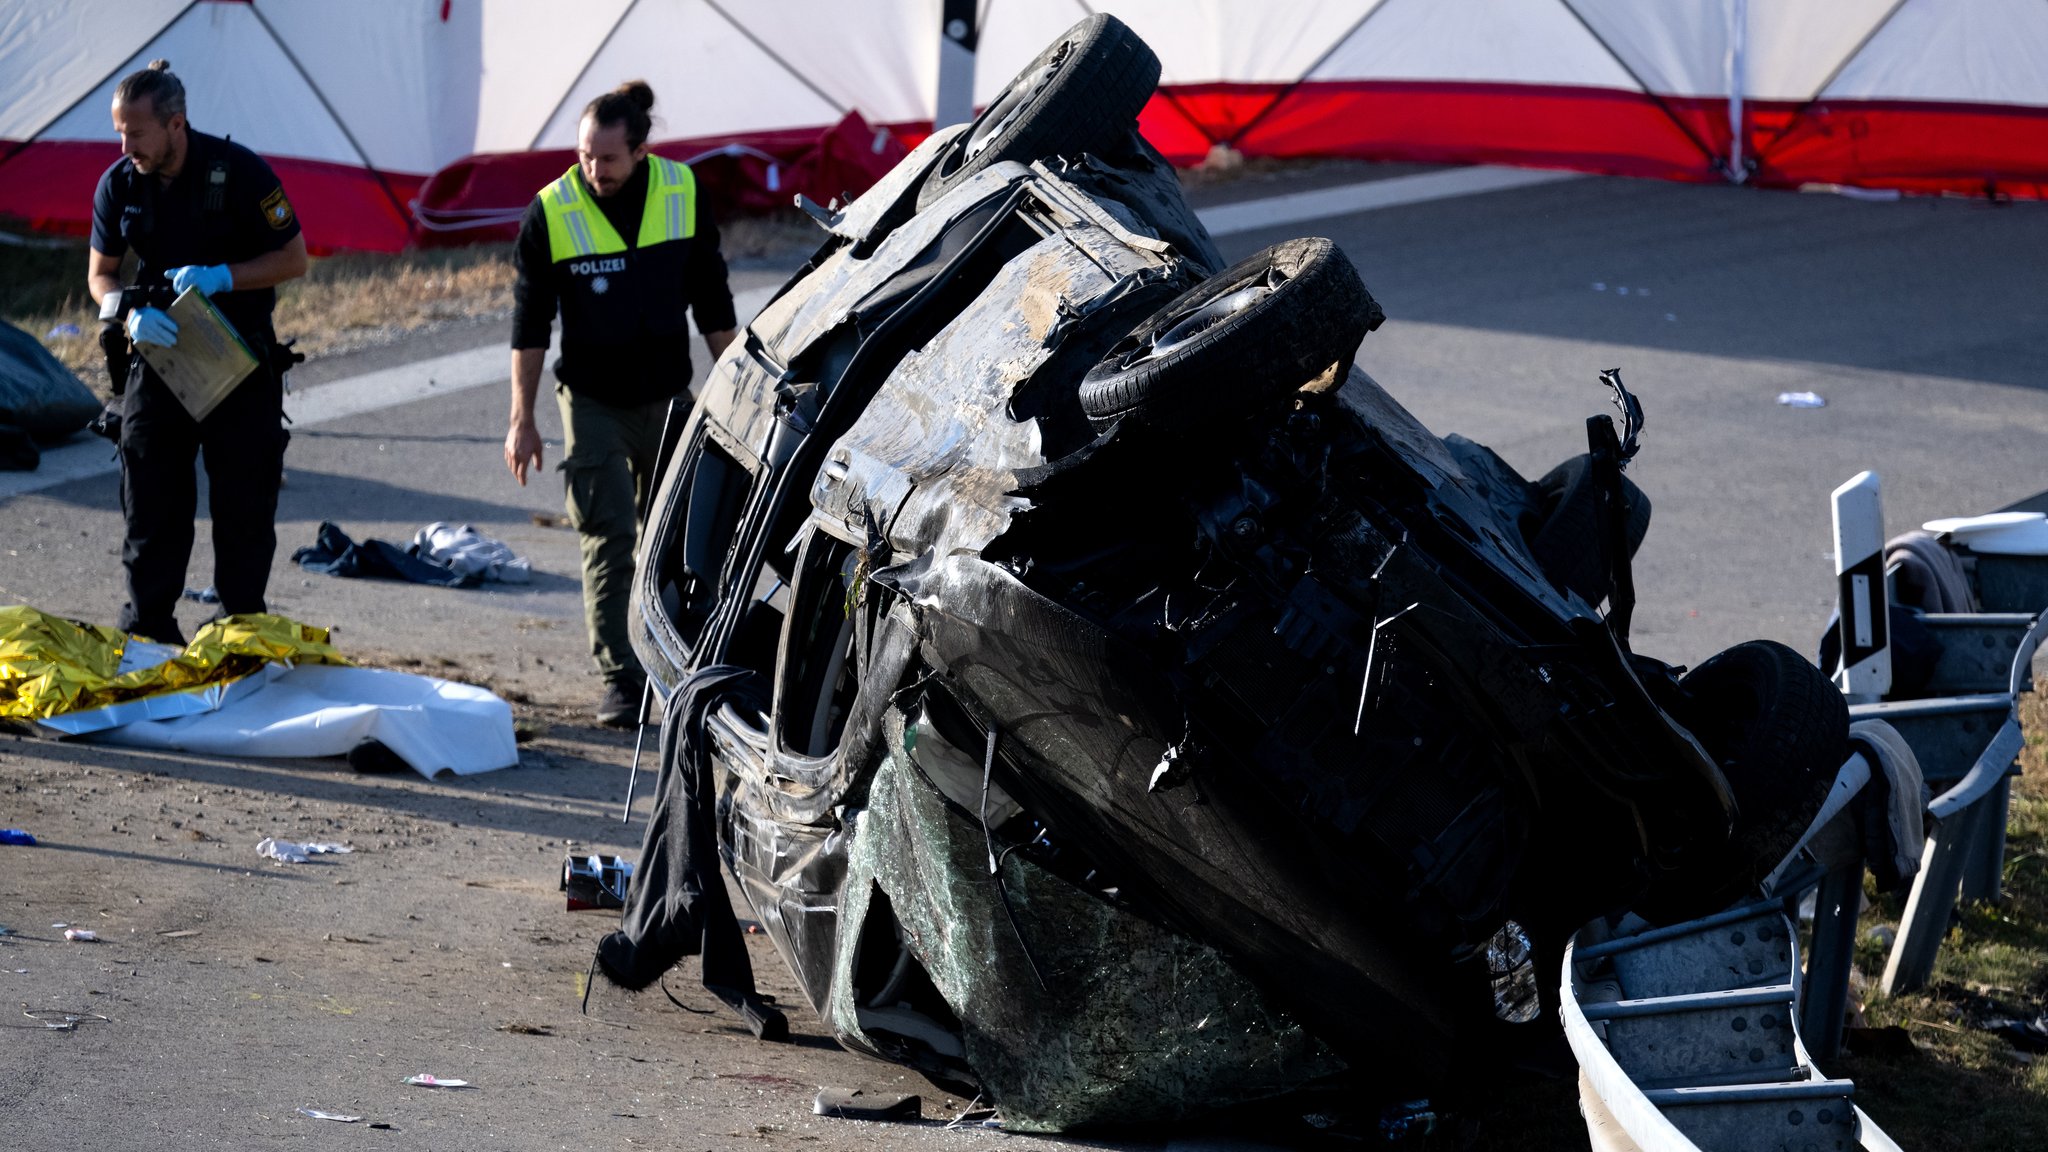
1079 95
1257 330
1571 546
1780 731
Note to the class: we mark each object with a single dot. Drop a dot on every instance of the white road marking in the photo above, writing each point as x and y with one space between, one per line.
1323 203
87 456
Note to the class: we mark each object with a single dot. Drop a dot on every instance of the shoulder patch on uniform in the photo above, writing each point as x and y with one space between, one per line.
277 210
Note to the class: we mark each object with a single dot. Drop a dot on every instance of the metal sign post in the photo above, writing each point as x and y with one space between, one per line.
1859 574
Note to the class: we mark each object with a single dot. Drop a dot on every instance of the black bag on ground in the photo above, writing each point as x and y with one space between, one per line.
37 394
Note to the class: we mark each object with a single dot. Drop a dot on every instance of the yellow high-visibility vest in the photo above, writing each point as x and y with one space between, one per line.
578 228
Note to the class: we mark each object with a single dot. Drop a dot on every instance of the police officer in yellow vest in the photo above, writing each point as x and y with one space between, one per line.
622 245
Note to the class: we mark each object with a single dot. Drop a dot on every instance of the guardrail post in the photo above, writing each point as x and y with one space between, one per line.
1984 873
1925 921
1859 574
1824 998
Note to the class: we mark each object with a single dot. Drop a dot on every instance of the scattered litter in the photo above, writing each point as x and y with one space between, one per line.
60 1019
60 924
1851 192
62 330
857 1105
1801 400
17 837
2025 1035
546 521
5 930
206 595
287 852
180 934
1884 934
337 1117
81 935
424 1080
518 1029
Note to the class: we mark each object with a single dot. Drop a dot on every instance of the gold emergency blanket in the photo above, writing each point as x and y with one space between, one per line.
50 666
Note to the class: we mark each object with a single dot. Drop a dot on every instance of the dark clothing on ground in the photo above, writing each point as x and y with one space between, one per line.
625 339
334 554
225 207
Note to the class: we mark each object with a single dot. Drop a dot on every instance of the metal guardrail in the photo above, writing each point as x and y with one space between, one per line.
1686 1039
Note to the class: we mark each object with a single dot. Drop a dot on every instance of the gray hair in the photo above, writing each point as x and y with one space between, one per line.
156 84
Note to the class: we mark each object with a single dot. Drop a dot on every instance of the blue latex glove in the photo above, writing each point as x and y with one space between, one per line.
210 279
152 326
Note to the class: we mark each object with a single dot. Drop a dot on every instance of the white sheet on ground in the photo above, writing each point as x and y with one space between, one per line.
320 710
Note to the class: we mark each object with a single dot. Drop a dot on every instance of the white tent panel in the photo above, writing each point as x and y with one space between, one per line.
881 59
1494 41
532 52
1795 45
49 53
709 79
1013 32
1677 47
1979 51
238 83
386 67
1204 41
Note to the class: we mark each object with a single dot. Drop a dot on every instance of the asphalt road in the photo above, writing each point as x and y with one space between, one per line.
1921 323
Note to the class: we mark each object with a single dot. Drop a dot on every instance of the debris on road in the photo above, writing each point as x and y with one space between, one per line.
286 852
1802 400
81 935
17 838
337 1117
333 553
471 553
426 1080
854 1104
596 881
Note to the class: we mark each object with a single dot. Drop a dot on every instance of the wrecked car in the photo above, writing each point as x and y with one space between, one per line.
1110 700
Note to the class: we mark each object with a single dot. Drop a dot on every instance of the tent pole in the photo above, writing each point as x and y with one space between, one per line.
953 102
1738 79
404 217
1833 74
52 121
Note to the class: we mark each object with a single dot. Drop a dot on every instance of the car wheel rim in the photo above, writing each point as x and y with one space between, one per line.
1191 323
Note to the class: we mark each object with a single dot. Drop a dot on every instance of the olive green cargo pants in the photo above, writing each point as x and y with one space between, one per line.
608 461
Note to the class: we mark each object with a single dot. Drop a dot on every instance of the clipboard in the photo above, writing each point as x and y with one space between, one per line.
208 360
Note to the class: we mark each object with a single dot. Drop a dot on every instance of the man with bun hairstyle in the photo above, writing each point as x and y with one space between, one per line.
202 213
622 245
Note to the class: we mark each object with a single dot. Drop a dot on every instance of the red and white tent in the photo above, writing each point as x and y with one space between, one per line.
394 121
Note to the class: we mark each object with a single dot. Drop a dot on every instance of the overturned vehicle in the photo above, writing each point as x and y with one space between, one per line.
1110 700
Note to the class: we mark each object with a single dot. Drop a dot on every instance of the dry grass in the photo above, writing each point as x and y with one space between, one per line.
348 301
1963 1087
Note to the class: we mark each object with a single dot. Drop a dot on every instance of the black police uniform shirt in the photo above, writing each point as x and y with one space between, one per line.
627 344
170 226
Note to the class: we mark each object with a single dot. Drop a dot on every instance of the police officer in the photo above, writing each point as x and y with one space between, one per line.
201 213
621 245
